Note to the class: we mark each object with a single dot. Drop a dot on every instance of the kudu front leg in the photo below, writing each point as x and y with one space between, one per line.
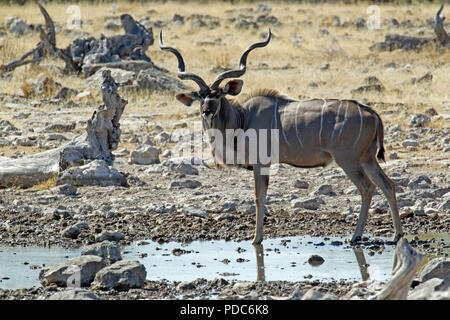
261 185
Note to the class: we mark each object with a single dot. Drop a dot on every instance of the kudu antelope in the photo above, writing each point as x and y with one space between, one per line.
312 133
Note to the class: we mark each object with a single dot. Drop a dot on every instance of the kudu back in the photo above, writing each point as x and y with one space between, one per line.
303 134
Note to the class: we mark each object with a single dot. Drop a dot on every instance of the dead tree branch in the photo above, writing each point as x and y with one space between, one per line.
406 262
97 143
396 41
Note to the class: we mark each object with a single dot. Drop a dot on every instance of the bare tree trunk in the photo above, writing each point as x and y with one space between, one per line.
442 35
406 262
101 137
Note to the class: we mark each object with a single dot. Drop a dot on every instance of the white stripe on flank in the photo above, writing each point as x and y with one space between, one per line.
345 119
337 118
296 125
360 124
321 120
281 126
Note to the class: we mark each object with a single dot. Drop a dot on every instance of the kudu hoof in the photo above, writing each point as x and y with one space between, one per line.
355 240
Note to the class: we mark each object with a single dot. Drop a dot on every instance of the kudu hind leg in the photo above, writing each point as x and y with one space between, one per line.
366 189
387 186
261 185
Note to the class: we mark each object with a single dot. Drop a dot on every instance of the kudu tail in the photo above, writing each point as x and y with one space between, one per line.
380 138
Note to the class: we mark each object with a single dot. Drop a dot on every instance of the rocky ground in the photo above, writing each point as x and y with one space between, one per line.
173 198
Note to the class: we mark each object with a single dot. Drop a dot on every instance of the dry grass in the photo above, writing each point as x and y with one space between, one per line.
293 66
45 185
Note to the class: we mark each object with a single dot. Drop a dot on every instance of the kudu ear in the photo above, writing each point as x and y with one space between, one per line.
233 87
187 98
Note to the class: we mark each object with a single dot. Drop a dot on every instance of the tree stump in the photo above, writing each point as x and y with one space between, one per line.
406 262
97 143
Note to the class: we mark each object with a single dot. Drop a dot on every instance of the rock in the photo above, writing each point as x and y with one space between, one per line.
145 155
393 156
419 120
307 203
431 112
185 285
71 232
315 260
325 189
420 182
445 206
196 212
122 275
121 77
107 250
185 183
18 27
95 173
74 294
436 268
360 23
78 272
162 138
65 189
155 80
410 143
301 184
184 168
427 77
313 294
433 289
109 236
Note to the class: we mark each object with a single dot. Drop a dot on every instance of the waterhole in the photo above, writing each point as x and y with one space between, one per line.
279 259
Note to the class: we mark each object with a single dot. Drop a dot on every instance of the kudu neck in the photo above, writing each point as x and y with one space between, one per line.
230 115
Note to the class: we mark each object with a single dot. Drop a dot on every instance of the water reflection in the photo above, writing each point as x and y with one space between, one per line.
279 259
260 271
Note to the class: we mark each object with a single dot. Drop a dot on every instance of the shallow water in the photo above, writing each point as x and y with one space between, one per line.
281 259
277 259
21 265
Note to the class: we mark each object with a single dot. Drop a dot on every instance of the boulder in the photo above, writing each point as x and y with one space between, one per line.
433 289
79 272
107 250
95 173
71 232
156 81
18 27
196 212
122 275
145 155
436 268
184 168
109 236
122 77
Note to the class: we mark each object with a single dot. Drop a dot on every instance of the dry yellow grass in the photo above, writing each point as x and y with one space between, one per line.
292 66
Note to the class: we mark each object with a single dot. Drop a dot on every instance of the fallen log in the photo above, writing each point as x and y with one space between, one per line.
97 143
396 41
84 52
